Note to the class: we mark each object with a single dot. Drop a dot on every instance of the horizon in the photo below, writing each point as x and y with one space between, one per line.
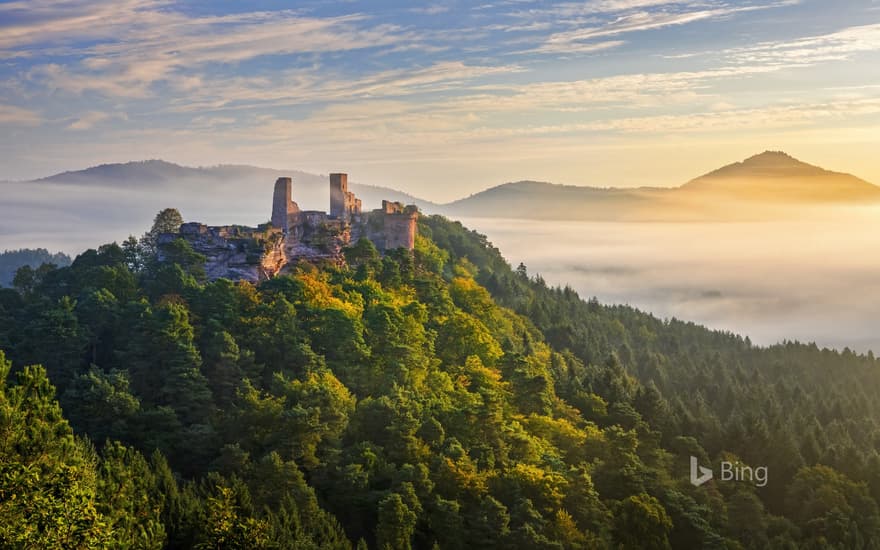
437 101
433 200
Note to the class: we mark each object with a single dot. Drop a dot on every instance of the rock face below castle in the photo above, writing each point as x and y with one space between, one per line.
294 235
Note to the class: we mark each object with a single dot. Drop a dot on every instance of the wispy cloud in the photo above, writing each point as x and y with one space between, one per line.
315 86
570 45
571 11
835 46
579 39
45 23
137 44
90 119
732 120
626 91
433 9
17 116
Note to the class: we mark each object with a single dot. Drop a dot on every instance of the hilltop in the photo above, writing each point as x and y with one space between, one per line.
769 180
775 175
773 164
146 174
765 186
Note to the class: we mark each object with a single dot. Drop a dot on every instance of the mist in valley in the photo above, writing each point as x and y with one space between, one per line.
812 276
71 218
77 213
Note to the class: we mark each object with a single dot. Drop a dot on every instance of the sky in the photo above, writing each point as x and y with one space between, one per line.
441 100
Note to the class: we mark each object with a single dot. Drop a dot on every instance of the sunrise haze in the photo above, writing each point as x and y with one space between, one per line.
441 100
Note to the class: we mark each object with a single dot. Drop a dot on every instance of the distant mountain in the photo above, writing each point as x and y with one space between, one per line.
311 191
542 200
755 187
145 171
759 184
774 175
12 260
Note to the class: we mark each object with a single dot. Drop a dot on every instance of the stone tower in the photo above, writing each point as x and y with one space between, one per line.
400 224
343 203
282 204
338 192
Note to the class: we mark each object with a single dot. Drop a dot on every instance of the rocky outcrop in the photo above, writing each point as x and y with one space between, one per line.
234 252
259 253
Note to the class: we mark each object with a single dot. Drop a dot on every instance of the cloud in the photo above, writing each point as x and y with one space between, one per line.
836 46
577 40
131 46
321 86
59 22
385 87
124 84
17 116
733 120
623 92
573 11
88 120
466 92
433 9
575 46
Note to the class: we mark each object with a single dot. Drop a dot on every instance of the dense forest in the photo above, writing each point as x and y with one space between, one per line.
12 260
434 399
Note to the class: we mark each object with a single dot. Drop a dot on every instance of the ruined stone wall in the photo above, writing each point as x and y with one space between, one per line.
343 203
259 253
338 193
392 207
392 226
400 230
282 204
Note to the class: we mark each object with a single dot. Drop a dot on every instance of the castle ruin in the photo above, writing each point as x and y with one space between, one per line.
282 203
295 235
343 203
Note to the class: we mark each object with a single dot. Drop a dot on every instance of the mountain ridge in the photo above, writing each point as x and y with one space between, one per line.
767 180
157 172
770 177
771 163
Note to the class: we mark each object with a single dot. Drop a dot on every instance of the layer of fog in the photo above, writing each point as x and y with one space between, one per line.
72 218
815 278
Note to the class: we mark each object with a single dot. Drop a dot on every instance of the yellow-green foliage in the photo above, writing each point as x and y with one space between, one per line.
438 399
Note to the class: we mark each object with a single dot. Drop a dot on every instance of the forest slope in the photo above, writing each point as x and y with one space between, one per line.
406 401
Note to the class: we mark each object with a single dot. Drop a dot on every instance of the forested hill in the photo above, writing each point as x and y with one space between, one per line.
11 260
439 399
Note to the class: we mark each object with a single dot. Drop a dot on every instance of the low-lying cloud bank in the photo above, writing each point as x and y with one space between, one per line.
810 279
